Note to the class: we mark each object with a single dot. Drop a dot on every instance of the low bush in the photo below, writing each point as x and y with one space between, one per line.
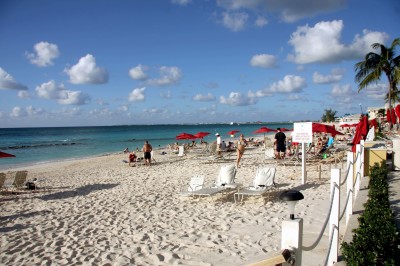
375 241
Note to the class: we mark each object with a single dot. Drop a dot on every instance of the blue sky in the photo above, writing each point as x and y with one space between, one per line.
98 62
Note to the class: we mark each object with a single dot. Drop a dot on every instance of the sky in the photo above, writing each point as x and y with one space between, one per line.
126 62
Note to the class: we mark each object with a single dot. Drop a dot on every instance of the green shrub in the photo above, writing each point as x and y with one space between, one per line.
375 241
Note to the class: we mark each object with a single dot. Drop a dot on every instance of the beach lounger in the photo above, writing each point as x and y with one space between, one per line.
225 182
196 183
262 182
20 179
181 151
2 180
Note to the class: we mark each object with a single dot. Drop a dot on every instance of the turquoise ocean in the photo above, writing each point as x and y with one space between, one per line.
48 144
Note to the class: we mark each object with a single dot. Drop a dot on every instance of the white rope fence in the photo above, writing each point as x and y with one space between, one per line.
334 215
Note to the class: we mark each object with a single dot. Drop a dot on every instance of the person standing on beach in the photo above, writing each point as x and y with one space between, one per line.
147 153
218 144
280 147
241 146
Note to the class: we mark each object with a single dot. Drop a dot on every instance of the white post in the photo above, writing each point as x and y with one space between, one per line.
358 168
303 164
362 159
350 183
334 217
292 238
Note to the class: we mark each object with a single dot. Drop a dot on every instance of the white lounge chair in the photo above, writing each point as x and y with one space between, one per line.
225 182
181 151
262 182
196 183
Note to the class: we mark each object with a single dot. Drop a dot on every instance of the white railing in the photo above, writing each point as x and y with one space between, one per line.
334 216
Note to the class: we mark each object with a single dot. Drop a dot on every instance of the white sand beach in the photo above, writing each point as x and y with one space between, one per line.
100 211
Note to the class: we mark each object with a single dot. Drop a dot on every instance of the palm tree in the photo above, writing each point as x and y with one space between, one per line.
329 115
394 96
371 69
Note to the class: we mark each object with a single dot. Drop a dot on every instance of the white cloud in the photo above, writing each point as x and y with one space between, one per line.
261 22
376 91
137 95
289 11
166 95
24 95
238 99
18 112
51 91
181 2
234 21
155 111
289 84
322 43
73 97
343 94
168 76
204 98
138 72
8 82
335 76
30 110
44 54
87 72
263 60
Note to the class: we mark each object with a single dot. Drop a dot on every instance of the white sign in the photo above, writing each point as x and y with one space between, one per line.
302 132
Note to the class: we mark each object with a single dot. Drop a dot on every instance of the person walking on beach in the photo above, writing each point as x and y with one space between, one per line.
241 146
280 147
218 144
147 153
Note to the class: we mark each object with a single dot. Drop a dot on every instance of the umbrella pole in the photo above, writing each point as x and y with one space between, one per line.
303 163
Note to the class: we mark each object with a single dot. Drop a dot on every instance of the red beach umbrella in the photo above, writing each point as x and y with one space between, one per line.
285 129
233 132
185 136
317 127
348 125
200 135
394 118
397 110
264 130
6 155
361 132
388 116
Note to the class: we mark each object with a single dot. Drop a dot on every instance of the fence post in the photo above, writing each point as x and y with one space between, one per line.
334 217
358 168
292 238
350 183
362 159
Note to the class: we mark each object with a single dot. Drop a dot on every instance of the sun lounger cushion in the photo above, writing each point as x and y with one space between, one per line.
226 175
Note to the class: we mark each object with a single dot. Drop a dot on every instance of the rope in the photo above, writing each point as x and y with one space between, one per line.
330 244
347 174
305 248
347 201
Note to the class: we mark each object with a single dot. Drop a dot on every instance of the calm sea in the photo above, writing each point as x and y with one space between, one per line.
40 145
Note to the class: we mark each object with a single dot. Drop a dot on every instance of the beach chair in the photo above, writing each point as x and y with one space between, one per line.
152 157
225 182
20 179
2 180
196 183
181 151
262 182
